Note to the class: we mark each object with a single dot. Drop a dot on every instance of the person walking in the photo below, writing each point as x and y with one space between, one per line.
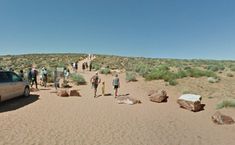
116 85
56 81
44 77
95 80
30 75
90 66
83 66
34 78
21 74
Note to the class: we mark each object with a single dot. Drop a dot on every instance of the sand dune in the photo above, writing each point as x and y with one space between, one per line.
46 119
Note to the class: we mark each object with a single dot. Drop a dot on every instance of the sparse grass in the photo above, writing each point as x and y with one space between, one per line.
226 104
131 77
78 79
188 92
230 75
210 97
232 68
105 71
173 82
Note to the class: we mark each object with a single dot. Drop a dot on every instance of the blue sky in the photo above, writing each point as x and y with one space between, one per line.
148 28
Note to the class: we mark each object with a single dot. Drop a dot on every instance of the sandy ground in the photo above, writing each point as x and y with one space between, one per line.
46 119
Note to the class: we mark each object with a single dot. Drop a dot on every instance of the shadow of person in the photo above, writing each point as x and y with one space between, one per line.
17 103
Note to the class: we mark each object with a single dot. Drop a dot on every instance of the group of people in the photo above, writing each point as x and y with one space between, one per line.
86 66
75 66
96 80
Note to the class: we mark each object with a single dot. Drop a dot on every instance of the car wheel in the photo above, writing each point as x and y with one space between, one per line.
26 92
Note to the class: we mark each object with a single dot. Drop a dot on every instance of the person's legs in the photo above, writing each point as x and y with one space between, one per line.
95 89
116 92
32 83
36 83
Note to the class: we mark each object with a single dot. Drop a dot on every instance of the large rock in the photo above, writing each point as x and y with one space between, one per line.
151 92
62 93
160 96
221 119
191 102
128 100
73 92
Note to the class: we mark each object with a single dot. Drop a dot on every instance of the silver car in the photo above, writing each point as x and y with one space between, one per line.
12 85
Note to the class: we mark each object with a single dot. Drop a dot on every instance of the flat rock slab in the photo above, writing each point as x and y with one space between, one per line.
127 100
191 102
221 119
190 97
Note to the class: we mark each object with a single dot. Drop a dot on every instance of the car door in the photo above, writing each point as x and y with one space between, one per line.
17 84
6 90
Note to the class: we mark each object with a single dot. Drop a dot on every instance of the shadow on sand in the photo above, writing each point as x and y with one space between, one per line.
17 103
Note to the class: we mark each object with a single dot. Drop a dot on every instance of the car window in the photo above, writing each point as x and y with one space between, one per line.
4 77
15 78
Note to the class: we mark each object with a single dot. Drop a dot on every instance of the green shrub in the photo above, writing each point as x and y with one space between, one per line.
173 82
213 68
142 69
187 68
105 71
163 67
78 79
159 73
96 66
200 73
226 104
181 74
131 76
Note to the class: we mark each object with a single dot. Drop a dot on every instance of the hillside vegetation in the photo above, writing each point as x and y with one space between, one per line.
168 70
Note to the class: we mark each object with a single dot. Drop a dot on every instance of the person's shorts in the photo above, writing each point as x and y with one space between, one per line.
116 87
95 86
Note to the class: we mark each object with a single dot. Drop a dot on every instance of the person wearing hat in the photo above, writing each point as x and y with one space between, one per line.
95 80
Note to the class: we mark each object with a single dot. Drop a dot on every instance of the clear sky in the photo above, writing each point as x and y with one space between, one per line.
148 28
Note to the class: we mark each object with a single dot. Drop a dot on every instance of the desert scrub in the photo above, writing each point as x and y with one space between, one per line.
173 82
181 74
226 104
96 66
142 69
161 73
196 73
105 71
78 79
215 68
232 68
131 77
